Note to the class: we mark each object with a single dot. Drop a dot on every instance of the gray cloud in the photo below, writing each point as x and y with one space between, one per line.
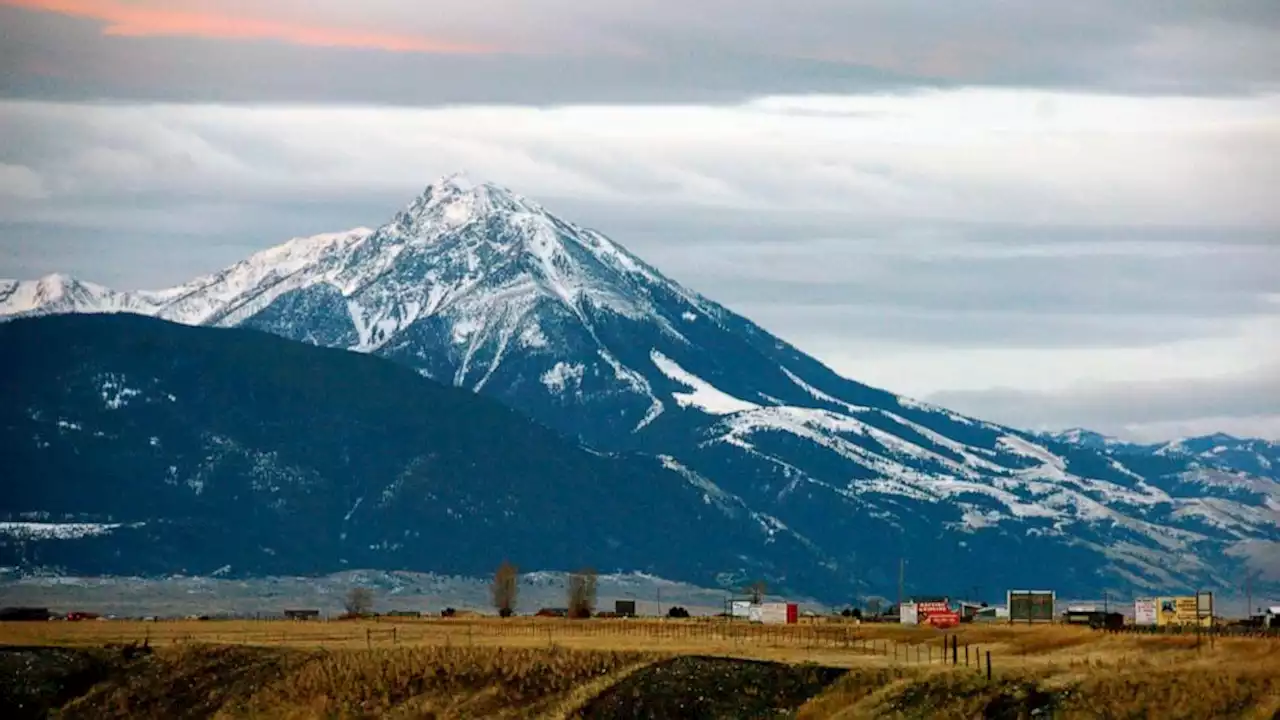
915 279
808 275
1141 410
160 243
953 242
976 156
60 59
558 51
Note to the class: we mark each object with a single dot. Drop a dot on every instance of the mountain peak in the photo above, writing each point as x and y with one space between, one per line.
456 200
55 285
460 181
1082 435
55 279
61 293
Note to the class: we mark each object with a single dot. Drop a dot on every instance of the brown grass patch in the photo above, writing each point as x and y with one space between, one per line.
450 682
530 668
235 682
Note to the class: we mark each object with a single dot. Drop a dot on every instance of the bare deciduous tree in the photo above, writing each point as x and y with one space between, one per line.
582 593
506 587
757 591
359 601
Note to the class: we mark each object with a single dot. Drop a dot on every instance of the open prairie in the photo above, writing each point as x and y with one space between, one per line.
483 667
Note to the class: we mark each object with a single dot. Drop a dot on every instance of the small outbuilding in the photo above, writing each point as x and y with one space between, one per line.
24 614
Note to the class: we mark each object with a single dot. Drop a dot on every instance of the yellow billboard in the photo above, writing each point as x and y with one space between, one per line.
1182 610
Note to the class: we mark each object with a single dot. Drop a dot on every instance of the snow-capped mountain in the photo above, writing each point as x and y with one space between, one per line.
1218 451
478 287
55 294
218 299
1224 452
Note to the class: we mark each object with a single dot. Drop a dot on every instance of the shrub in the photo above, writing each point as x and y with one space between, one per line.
582 593
506 588
359 601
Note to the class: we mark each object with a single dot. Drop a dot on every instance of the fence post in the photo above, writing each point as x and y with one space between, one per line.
368 638
988 666
966 654
955 651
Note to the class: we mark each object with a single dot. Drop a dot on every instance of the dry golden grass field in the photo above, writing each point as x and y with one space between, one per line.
485 667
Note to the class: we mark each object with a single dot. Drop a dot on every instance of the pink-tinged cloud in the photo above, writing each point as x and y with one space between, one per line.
128 19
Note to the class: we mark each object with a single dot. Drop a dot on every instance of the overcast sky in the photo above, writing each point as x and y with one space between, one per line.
1044 214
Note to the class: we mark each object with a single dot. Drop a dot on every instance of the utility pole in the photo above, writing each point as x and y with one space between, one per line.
1248 595
902 573
659 601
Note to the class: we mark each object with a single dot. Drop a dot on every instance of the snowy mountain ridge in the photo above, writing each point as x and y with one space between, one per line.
478 287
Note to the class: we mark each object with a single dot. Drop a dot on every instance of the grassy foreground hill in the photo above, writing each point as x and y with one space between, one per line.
1040 672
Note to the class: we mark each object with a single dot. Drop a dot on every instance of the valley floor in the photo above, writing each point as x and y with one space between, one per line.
487 668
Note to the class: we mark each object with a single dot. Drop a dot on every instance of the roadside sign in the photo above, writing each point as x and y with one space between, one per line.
943 620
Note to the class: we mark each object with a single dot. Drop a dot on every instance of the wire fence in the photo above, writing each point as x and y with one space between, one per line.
525 632
1230 631
820 642
954 650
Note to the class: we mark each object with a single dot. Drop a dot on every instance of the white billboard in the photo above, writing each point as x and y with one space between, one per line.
909 614
1204 604
1144 611
740 609
773 613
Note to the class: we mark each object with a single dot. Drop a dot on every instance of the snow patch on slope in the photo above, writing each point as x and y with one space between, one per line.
1050 464
55 531
562 375
819 395
705 396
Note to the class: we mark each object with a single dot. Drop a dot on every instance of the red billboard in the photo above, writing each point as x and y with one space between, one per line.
943 619
937 613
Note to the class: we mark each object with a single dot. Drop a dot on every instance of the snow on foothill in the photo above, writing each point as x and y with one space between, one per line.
1050 464
55 531
819 395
